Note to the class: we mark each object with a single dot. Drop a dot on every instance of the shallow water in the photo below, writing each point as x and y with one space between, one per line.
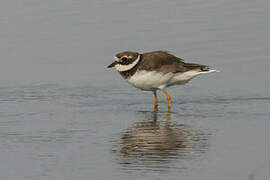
64 115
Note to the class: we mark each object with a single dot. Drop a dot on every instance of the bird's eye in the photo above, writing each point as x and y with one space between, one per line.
124 59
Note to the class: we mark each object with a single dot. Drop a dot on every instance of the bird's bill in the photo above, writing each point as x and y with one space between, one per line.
112 65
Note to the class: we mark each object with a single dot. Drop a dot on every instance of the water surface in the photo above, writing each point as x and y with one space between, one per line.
64 115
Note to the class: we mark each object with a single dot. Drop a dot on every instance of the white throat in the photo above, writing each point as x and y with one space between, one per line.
121 67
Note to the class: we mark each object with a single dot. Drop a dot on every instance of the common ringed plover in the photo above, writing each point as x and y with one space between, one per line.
156 70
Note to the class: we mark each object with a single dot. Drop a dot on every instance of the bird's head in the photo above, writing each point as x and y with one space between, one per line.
125 61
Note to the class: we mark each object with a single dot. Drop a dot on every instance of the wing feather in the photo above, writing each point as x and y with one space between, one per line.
162 61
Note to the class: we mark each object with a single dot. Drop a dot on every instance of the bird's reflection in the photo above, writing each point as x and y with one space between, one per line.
159 141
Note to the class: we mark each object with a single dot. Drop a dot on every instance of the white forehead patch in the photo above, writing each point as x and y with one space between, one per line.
121 67
116 59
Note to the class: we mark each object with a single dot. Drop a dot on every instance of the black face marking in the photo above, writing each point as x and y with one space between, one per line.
125 61
126 57
132 71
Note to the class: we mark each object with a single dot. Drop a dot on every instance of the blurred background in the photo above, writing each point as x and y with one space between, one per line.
64 115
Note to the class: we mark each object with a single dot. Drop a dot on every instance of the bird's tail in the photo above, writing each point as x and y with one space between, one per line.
208 70
200 68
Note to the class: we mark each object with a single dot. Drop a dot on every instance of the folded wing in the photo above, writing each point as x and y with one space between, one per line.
162 61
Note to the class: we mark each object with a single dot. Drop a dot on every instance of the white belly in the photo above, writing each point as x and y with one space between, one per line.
150 81
153 80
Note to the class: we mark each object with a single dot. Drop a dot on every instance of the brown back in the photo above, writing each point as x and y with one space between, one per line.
162 61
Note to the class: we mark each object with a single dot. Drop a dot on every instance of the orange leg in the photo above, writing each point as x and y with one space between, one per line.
156 101
168 98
